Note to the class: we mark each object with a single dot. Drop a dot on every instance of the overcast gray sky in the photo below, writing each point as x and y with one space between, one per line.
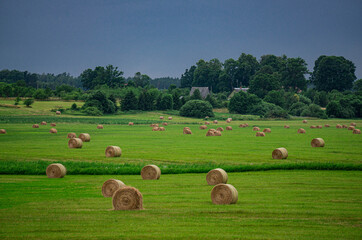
164 37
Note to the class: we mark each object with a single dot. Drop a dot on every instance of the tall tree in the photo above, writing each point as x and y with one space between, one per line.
141 80
207 74
276 63
248 66
108 75
188 77
331 72
293 74
262 83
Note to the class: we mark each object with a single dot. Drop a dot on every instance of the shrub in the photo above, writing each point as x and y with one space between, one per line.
40 94
304 99
276 97
297 108
166 102
275 111
92 111
243 103
196 108
314 110
28 101
74 107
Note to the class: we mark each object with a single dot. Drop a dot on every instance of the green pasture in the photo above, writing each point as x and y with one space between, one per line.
271 205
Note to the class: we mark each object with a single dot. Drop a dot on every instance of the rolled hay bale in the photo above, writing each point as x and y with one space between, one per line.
246 125
217 133
154 125
319 126
56 170
57 112
224 194
35 125
211 132
228 121
207 123
286 126
53 130
155 129
301 130
229 128
53 124
305 121
165 124
100 126
326 125
43 123
215 122
110 186
203 127
344 126
353 124
150 172
169 118
187 130
356 131
260 134
85 137
130 124
75 143
317 142
351 128
267 130
127 198
161 117
2 131
71 135
220 129
313 126
338 126
280 153
216 176
113 151
161 129
256 129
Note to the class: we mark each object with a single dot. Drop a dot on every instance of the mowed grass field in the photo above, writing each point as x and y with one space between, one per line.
278 204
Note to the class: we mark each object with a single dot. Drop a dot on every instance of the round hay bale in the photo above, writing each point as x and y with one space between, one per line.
224 194
110 186
216 176
187 131
127 198
56 170
256 129
301 130
228 121
217 133
57 112
150 172
353 124
165 124
280 153
305 121
286 126
85 137
220 129
169 118
246 125
260 134
53 130
211 132
267 130
130 124
2 131
344 126
203 127
35 125
313 126
161 117
72 135
43 123
317 142
161 129
53 124
75 143
356 131
207 123
154 125
229 128
351 128
326 125
215 122
113 151
155 129
338 126
319 126
100 127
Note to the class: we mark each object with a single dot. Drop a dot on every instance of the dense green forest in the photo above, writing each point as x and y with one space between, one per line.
278 87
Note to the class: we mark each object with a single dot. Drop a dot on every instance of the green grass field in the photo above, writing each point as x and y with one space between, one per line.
276 204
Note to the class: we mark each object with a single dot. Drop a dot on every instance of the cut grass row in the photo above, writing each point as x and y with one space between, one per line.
271 205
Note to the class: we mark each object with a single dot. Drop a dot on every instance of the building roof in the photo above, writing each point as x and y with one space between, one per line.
203 90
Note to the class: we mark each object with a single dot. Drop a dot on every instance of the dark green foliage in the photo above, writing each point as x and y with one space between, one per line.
314 110
28 101
347 106
108 75
166 102
17 100
262 83
276 97
165 82
92 111
177 102
145 101
40 94
129 102
74 107
274 111
357 85
188 77
297 108
196 108
196 95
293 74
99 100
243 103
304 99
212 101
141 80
321 98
